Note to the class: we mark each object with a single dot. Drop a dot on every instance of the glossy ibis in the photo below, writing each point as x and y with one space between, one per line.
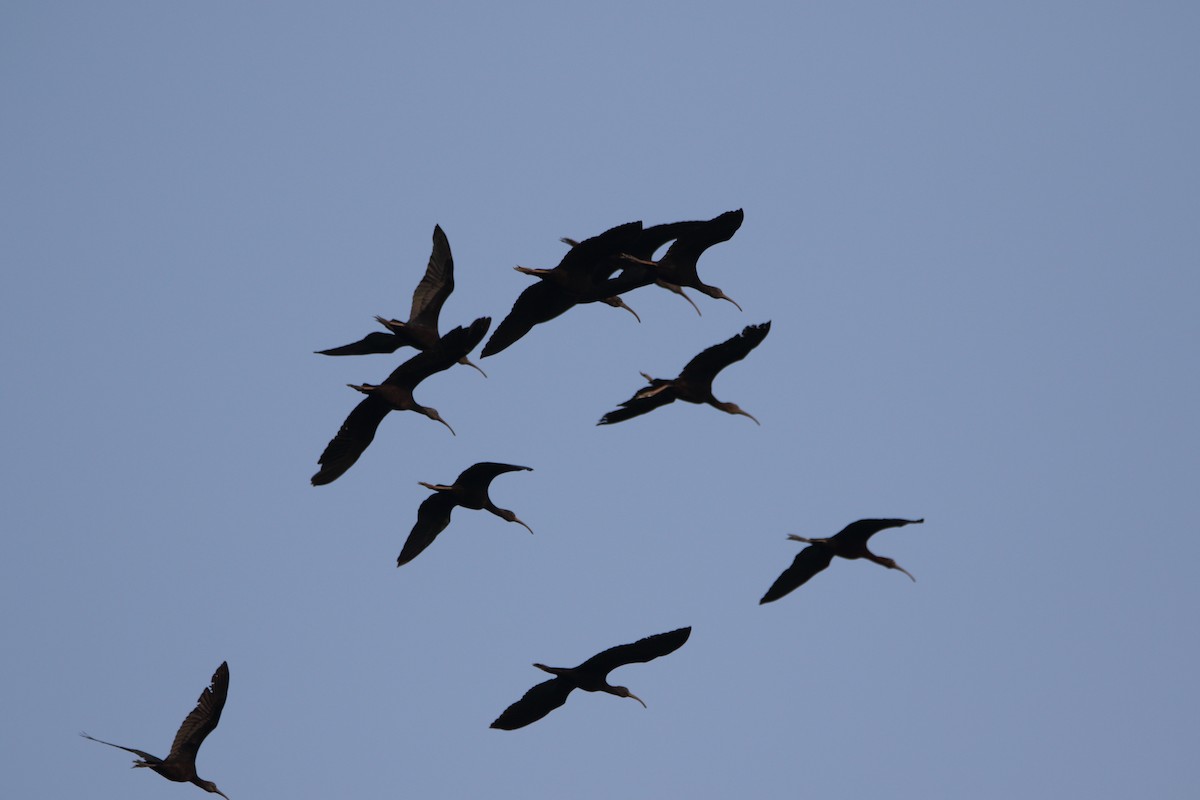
395 394
579 278
180 763
590 676
421 330
469 490
694 384
677 267
850 542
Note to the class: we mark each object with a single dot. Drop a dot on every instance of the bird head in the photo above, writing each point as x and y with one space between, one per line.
733 408
505 514
209 786
621 691
434 415
717 294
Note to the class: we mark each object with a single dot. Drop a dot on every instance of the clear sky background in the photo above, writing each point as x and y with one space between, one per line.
973 227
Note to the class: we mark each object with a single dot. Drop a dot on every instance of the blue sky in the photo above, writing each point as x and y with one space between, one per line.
972 226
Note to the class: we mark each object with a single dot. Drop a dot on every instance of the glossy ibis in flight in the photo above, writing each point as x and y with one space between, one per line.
180 763
694 384
469 490
579 278
590 676
395 394
677 267
421 330
850 542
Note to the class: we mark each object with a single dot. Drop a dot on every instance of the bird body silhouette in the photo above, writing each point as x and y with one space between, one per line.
394 394
694 384
590 676
180 763
580 277
469 490
421 329
849 543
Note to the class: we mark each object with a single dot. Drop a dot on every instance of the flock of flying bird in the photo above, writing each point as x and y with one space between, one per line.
599 269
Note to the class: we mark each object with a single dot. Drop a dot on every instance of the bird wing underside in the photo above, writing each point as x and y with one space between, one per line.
443 355
691 243
808 562
485 471
352 439
436 286
204 717
536 703
433 516
376 342
645 401
149 759
541 302
857 533
716 358
639 652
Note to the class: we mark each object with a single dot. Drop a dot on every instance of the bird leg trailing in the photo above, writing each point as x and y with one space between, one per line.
535 271
393 325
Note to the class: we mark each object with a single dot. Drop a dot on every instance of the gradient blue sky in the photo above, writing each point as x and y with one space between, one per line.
974 227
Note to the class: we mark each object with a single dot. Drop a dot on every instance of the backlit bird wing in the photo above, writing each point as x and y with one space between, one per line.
808 562
204 717
645 401
640 651
707 364
484 472
433 516
377 342
693 241
437 284
537 703
857 533
541 302
351 440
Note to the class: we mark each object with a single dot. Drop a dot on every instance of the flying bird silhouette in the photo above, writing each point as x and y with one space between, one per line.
677 268
850 542
469 490
421 330
590 676
180 763
579 278
394 394
694 384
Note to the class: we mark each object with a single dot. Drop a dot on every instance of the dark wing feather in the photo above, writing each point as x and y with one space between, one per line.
436 286
377 342
537 703
640 651
204 717
484 472
441 356
641 403
716 358
856 534
147 757
432 518
808 562
541 302
351 440
693 241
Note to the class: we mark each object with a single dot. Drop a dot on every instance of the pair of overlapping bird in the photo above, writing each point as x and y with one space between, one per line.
599 269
